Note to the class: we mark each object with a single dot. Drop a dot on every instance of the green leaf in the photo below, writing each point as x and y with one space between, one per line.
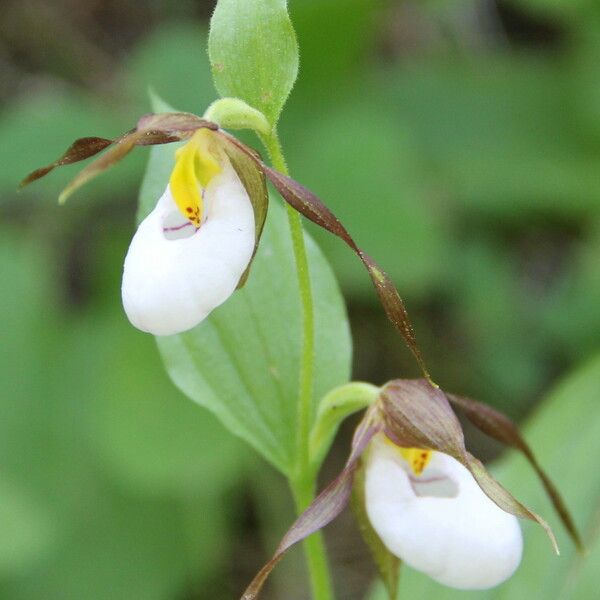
242 363
253 53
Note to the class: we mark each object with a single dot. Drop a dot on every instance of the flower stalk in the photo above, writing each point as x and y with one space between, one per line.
303 483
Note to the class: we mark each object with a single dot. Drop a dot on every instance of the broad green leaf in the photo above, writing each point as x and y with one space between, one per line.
253 53
242 363
565 434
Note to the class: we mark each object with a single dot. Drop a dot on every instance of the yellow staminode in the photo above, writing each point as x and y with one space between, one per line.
417 458
195 166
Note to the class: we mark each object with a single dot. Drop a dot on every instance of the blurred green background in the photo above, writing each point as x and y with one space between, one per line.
458 140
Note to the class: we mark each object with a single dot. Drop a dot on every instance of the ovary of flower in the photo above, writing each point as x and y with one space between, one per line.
438 520
188 255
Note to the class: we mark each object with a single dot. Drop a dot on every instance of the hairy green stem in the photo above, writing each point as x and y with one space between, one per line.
303 483
305 391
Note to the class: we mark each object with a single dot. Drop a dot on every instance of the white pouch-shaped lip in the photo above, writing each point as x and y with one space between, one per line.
174 274
440 522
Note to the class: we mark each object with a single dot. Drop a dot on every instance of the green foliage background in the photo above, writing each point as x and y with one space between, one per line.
458 140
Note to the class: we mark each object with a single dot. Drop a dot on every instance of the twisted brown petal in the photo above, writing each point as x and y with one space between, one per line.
79 150
309 205
326 507
152 129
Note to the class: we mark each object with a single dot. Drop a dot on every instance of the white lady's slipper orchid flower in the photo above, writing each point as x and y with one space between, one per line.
429 512
188 255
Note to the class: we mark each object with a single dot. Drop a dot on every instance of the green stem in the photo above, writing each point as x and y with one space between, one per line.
303 483
314 546
308 331
308 321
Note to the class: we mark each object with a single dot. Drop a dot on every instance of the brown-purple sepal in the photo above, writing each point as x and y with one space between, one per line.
151 129
79 150
175 123
245 162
